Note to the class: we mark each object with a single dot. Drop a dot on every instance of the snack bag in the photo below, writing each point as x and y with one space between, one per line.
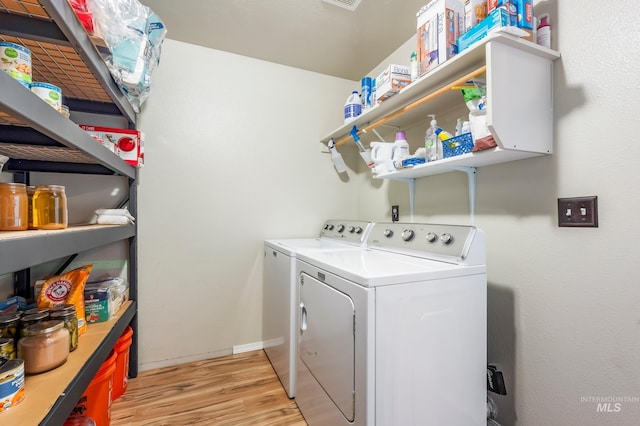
67 288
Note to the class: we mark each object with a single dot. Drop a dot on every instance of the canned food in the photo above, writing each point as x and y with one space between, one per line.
7 349
70 320
44 346
11 383
14 207
49 93
50 207
16 61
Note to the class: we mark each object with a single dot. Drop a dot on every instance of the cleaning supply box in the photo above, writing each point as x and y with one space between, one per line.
440 23
393 79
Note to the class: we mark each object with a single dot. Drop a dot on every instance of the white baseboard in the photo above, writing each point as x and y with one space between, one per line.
248 347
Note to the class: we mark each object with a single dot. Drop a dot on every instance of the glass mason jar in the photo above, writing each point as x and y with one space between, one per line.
14 207
70 320
7 349
9 324
31 319
50 207
30 191
44 346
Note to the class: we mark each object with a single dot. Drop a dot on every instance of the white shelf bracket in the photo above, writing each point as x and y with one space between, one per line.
471 176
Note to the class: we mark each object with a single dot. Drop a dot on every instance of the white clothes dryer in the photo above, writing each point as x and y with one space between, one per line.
394 334
280 289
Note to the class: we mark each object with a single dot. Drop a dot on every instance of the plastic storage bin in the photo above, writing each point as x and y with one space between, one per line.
96 400
457 145
121 373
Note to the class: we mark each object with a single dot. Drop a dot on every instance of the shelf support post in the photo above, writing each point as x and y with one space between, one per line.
471 176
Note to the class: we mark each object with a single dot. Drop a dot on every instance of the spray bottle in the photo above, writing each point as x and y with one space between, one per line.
364 153
337 159
432 143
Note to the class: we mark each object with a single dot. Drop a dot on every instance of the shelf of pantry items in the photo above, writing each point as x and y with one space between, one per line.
21 104
519 95
50 396
22 249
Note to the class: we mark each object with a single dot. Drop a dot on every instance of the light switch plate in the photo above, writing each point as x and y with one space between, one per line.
578 212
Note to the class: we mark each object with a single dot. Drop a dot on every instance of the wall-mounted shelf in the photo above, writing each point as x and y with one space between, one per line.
518 74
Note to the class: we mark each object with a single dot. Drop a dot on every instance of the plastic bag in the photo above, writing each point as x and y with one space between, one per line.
134 35
67 288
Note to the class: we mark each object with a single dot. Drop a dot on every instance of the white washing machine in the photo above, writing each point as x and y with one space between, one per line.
280 289
394 334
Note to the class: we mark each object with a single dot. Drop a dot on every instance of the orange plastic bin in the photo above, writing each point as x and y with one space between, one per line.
96 400
121 373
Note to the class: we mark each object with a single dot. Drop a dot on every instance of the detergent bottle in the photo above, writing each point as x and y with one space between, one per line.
400 149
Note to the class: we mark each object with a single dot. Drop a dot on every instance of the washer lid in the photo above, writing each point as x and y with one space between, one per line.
372 268
293 246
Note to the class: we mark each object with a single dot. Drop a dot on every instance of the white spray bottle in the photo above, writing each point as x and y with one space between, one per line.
431 140
337 159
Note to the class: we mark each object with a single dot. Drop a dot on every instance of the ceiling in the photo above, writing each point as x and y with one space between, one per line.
308 34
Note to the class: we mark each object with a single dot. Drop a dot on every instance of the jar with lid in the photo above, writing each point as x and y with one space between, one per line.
9 324
7 349
70 320
31 319
44 346
14 207
50 207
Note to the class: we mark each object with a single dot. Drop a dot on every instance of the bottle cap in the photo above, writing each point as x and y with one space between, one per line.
401 136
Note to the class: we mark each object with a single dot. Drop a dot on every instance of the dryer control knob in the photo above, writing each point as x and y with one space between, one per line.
330 227
388 233
407 235
431 237
340 228
352 229
446 238
358 230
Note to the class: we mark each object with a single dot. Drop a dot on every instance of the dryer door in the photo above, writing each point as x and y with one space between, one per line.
327 344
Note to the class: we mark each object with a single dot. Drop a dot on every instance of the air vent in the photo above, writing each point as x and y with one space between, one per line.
346 4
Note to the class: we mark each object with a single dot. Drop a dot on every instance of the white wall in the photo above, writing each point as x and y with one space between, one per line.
564 316
232 158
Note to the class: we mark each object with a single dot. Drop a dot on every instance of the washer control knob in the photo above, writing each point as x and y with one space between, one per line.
352 229
388 233
358 230
330 227
326 226
340 228
407 235
431 237
446 238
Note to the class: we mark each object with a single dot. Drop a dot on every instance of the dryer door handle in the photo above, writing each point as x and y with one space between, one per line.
303 318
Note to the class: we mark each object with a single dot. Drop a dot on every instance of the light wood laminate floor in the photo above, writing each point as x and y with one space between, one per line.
234 390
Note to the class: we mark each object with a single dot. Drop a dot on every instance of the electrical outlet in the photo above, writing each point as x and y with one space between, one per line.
578 212
395 213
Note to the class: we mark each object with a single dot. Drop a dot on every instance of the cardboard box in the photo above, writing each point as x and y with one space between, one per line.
128 144
438 30
393 79
509 5
474 12
498 18
96 305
